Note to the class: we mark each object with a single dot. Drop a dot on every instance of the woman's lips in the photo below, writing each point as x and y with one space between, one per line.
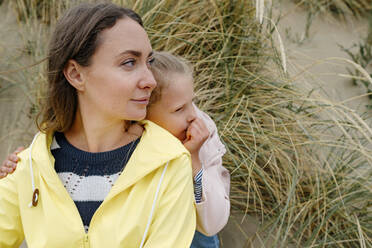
143 100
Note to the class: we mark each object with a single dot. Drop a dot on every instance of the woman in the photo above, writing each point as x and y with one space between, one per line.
93 178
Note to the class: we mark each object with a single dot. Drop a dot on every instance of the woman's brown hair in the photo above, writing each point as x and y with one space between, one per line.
76 36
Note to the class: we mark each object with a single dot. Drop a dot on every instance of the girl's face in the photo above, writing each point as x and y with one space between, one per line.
175 111
118 83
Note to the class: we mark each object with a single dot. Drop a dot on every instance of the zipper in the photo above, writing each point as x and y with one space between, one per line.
86 241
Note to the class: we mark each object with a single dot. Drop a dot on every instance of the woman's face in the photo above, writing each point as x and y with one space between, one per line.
118 82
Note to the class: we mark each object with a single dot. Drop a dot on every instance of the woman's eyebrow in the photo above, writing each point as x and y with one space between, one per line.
134 53
131 52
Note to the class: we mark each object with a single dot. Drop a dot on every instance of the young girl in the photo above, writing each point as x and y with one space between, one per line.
171 107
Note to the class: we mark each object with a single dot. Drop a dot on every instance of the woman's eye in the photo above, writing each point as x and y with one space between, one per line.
129 63
151 60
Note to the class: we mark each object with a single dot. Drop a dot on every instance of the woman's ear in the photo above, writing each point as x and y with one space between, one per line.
73 74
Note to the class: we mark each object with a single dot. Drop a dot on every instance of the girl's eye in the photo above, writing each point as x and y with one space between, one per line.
129 62
179 109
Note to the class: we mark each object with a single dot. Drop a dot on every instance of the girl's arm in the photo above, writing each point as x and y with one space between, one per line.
10 163
214 209
197 133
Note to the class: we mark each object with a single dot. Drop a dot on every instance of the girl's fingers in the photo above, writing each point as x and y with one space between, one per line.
196 135
200 125
10 164
10 161
196 124
13 158
19 149
7 170
3 174
200 133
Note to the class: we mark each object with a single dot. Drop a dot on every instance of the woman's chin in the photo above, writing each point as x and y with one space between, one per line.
138 116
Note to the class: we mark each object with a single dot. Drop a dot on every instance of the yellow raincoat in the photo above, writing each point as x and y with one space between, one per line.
152 202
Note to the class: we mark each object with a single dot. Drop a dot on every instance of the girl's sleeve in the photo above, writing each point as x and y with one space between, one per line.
11 232
214 209
174 220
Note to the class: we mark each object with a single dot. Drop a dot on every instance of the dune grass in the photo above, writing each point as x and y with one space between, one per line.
341 9
298 161
361 53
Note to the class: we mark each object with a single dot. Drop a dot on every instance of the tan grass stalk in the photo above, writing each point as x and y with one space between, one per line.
262 10
357 66
281 47
360 233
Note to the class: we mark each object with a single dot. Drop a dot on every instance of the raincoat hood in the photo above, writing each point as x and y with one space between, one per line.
152 197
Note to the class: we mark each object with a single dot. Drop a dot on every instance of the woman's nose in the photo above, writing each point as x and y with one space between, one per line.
148 80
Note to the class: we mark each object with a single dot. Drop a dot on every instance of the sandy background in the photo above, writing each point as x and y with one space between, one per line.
308 60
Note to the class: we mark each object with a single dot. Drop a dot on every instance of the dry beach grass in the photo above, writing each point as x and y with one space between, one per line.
299 162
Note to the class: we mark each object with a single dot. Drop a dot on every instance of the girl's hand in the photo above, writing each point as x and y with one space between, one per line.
9 165
197 133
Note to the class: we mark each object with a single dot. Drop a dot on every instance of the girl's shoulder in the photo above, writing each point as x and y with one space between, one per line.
211 125
213 148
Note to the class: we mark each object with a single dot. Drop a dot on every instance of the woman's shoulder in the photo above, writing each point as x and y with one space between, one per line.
158 144
161 136
37 151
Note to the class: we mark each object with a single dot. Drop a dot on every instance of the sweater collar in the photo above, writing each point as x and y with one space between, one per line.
156 147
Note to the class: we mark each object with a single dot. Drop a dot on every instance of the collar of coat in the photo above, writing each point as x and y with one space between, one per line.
156 147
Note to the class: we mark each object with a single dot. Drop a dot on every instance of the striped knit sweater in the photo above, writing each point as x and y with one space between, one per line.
88 177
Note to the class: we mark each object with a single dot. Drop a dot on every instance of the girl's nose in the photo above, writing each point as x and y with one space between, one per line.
192 114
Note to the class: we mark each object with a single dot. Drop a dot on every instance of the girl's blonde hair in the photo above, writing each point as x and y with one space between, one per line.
165 64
